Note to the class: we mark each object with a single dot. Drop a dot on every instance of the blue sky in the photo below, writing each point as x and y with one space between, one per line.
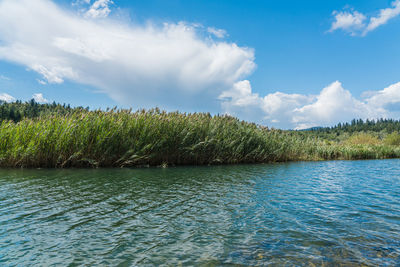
287 64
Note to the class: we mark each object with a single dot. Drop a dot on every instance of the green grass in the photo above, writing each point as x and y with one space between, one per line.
120 138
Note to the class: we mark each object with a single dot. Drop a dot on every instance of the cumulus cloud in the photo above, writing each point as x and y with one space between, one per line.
240 101
169 65
6 97
332 105
39 98
386 98
278 107
240 95
354 22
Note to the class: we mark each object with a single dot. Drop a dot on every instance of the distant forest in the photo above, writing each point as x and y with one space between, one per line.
388 125
19 110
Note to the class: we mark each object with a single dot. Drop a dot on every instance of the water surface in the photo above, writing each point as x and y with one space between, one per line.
322 213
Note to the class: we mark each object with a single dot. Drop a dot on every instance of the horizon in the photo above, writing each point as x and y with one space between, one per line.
295 66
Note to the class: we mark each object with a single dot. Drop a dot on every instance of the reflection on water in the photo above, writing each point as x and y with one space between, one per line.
321 213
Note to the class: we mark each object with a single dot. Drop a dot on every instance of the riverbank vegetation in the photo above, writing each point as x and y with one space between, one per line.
58 136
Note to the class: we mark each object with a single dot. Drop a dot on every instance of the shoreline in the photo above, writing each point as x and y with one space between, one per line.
191 165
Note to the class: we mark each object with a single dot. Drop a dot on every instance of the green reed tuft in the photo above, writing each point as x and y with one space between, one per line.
121 138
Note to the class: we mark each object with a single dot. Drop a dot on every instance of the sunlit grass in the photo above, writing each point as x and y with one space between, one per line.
121 138
363 139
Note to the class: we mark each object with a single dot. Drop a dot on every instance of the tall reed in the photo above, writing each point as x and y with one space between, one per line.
121 138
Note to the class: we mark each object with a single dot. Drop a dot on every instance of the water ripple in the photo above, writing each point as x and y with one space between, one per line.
305 214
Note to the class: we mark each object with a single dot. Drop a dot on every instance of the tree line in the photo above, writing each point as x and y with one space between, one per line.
18 110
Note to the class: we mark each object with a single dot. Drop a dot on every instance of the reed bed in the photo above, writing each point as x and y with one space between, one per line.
121 138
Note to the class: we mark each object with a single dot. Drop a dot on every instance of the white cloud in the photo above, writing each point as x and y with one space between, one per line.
384 16
6 97
332 105
54 74
171 65
240 100
219 33
99 9
387 96
350 21
279 106
240 95
39 98
354 22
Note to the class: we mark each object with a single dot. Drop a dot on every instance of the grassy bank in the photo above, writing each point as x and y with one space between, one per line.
82 138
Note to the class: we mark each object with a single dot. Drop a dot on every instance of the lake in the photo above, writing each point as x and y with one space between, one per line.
305 213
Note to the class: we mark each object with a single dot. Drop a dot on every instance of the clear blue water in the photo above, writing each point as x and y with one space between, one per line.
322 213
